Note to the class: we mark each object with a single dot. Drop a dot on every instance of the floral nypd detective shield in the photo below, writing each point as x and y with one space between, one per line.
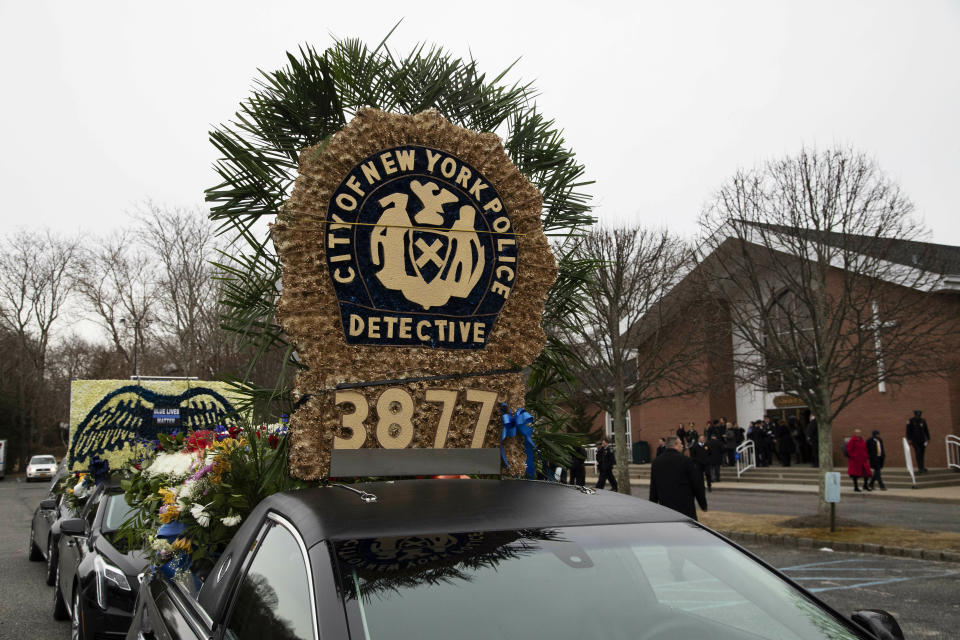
420 250
415 271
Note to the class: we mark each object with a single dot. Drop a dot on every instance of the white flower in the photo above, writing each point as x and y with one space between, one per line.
231 521
175 465
187 488
80 491
199 513
159 544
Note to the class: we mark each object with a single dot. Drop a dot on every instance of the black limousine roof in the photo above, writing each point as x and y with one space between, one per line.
420 507
411 507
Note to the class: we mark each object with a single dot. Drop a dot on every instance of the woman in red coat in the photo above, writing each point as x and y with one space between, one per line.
858 463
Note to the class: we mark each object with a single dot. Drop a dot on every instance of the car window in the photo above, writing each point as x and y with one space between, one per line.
43 460
117 511
657 581
273 599
90 509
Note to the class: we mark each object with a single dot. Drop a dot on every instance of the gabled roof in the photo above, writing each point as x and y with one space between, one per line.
940 259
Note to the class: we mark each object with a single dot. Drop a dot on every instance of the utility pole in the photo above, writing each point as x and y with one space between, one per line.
136 345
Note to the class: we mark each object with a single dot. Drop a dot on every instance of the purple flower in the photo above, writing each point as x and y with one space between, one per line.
202 472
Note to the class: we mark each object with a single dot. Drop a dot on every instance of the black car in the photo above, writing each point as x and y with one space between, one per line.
44 532
96 582
483 559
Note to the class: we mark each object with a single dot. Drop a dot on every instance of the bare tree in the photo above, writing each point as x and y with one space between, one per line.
633 350
117 281
185 245
830 291
35 282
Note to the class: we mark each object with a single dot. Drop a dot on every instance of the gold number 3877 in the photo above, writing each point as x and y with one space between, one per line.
395 407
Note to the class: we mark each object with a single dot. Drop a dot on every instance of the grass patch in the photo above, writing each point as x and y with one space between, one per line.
848 531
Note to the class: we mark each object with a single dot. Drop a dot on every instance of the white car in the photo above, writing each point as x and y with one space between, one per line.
41 468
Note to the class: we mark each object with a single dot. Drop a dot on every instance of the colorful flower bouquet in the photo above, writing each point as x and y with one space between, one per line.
190 491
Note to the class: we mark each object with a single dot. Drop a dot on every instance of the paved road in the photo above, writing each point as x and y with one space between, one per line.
26 602
921 594
893 512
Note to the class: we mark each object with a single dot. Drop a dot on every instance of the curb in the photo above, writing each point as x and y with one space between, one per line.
853 547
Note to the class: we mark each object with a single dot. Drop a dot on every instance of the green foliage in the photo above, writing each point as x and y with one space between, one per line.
208 482
311 98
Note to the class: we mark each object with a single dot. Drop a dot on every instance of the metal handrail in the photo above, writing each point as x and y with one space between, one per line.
953 452
746 457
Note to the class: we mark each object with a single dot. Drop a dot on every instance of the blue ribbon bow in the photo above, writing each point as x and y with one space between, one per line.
99 469
520 422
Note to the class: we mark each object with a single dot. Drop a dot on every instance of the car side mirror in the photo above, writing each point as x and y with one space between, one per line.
73 527
49 504
879 622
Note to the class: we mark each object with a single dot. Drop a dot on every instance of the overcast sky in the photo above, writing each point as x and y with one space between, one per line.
106 104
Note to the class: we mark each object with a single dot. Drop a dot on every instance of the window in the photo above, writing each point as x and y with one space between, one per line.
608 422
90 509
790 342
657 580
273 599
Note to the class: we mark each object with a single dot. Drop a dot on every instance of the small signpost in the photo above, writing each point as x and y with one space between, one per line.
831 493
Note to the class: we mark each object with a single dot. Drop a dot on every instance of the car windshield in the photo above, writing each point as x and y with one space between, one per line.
653 581
43 460
117 511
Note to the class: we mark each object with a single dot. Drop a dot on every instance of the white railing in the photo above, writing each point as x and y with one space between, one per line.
746 457
953 452
591 458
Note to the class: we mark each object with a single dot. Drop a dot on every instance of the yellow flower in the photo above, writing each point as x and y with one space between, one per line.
169 497
182 544
70 490
169 513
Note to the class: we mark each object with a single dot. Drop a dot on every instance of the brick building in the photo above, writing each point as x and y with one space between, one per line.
887 406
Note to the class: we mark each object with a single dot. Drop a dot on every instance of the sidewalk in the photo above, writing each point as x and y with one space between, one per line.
932 494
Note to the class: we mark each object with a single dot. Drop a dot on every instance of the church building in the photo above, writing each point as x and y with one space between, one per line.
886 405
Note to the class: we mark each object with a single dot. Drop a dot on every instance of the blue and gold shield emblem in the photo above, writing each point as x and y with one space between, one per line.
420 249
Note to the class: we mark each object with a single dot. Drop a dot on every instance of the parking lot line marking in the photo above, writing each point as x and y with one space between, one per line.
818 564
879 582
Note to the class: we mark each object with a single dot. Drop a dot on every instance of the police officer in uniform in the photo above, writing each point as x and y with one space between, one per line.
606 460
919 436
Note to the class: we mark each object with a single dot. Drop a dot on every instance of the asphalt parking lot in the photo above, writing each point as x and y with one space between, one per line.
923 595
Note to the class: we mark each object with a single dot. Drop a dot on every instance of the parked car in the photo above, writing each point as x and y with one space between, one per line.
3 459
44 532
95 584
41 468
482 559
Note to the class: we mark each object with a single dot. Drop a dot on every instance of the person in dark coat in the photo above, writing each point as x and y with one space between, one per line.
606 460
675 481
715 456
577 470
877 455
813 439
858 463
730 447
660 448
700 457
784 443
682 433
918 434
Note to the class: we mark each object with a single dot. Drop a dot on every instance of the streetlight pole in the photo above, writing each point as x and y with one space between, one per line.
136 345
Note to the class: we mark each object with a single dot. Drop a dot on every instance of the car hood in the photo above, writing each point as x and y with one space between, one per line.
131 563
